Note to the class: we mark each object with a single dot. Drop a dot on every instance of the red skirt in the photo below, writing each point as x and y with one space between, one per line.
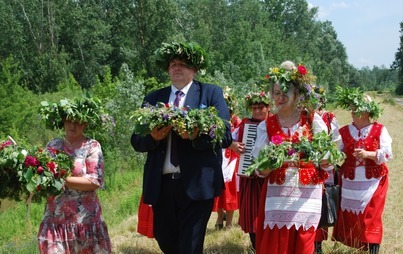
284 241
249 197
145 219
321 234
228 200
357 230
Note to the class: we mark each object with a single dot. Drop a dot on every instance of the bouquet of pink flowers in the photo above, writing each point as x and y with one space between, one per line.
205 119
44 171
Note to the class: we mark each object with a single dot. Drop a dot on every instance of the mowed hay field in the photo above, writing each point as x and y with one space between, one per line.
126 240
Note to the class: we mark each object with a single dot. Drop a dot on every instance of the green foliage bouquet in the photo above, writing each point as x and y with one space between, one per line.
301 148
12 157
205 119
149 117
44 171
273 155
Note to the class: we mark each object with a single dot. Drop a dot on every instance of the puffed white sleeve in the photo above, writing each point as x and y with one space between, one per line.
384 153
261 139
235 134
336 137
318 124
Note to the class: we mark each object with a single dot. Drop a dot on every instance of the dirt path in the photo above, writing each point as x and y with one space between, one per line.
399 101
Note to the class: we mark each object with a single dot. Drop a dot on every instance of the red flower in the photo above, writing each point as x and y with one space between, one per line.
31 161
267 76
296 139
302 69
52 167
277 139
53 151
40 170
63 172
5 143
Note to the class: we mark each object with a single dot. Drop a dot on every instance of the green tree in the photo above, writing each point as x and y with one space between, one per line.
398 63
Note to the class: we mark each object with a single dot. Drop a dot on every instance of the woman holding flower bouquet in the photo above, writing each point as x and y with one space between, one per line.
332 128
364 174
291 197
250 187
182 173
72 222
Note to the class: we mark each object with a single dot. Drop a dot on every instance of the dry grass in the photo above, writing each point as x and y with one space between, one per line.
126 240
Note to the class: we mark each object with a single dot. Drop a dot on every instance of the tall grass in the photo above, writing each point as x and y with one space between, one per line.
120 201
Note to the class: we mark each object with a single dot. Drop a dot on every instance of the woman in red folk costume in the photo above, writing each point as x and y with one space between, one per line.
250 187
291 198
332 128
226 204
364 174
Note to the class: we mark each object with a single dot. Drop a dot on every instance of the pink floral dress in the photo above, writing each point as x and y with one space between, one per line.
72 221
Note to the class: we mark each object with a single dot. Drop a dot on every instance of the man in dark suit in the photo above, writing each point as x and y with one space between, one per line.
182 195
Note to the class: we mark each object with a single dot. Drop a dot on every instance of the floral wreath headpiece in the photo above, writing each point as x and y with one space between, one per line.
349 98
257 98
321 95
301 79
230 99
299 75
83 110
193 54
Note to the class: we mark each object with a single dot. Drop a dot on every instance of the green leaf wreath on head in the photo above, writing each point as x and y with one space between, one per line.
253 98
191 53
86 109
354 98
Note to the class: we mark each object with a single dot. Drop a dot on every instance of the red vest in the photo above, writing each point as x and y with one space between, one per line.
308 174
370 143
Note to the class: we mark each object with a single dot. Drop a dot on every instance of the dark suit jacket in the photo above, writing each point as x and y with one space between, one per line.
199 162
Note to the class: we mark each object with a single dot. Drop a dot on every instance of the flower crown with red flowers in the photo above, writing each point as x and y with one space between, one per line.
284 77
253 98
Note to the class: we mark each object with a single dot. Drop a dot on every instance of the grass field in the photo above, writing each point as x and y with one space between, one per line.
18 235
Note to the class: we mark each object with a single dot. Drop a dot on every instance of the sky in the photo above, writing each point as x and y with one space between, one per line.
368 29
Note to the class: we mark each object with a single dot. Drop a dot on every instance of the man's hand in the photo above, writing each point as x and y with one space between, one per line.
186 135
160 133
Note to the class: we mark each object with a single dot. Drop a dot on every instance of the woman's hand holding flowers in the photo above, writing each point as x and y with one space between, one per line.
264 172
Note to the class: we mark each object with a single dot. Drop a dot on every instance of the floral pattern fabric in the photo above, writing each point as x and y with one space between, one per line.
72 221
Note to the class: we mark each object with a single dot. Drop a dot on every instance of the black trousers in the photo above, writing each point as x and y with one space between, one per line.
179 222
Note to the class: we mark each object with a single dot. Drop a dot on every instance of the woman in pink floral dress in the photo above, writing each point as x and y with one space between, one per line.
72 221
